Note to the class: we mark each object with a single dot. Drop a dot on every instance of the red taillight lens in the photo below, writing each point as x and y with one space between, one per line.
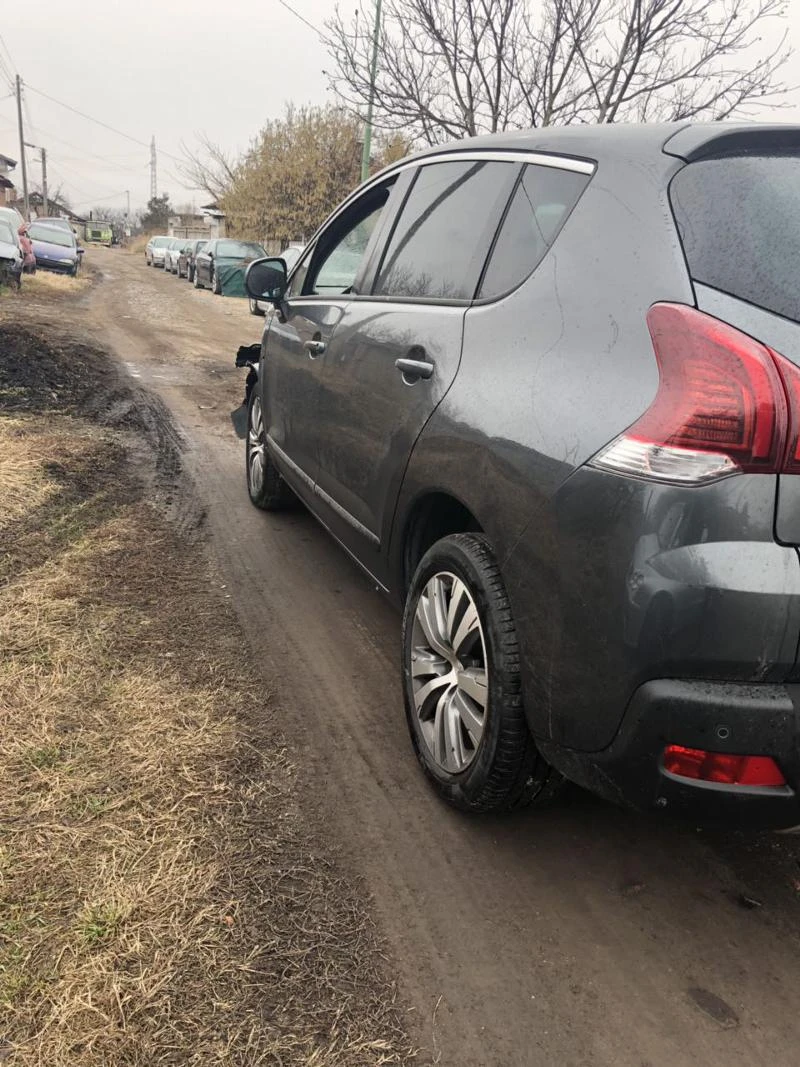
722 767
721 405
790 375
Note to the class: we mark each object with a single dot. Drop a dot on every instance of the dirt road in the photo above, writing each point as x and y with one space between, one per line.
583 936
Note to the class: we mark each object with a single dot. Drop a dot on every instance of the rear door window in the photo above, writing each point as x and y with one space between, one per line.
445 229
541 203
739 221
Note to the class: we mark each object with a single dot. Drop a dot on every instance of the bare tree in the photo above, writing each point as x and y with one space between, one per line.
453 68
208 167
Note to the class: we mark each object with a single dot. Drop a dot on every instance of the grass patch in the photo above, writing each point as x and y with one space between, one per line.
47 282
164 899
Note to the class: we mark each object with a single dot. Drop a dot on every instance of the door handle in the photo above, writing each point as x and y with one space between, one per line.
414 368
314 348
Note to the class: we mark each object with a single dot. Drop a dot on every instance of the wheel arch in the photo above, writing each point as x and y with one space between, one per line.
433 514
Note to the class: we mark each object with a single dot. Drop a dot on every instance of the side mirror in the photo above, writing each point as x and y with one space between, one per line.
265 279
80 251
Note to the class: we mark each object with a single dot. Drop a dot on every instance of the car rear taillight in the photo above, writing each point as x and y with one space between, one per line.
725 404
722 767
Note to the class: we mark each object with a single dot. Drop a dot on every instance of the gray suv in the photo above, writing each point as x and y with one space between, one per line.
545 388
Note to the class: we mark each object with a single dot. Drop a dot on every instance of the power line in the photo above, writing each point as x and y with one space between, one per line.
5 47
302 18
101 199
99 122
8 69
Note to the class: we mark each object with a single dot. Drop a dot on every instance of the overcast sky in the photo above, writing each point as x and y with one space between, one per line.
169 68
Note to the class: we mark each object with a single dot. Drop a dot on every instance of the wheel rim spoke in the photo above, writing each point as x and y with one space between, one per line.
473 681
256 445
468 626
468 716
449 672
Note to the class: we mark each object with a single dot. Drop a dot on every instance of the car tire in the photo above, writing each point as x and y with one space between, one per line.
265 485
254 308
464 709
216 287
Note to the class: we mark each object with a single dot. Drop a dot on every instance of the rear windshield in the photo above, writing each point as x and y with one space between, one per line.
739 220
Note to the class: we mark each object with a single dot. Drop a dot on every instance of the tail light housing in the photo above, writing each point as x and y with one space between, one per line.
722 767
725 404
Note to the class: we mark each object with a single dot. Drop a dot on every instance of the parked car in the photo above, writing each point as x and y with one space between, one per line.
554 410
290 256
155 250
171 253
218 255
186 258
63 224
54 248
10 255
12 216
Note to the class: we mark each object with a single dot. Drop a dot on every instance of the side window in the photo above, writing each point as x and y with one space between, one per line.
299 277
340 250
442 237
541 203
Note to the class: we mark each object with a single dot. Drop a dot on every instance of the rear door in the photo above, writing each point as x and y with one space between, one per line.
397 348
739 221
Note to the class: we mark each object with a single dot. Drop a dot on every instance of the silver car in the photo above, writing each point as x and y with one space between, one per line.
155 250
172 253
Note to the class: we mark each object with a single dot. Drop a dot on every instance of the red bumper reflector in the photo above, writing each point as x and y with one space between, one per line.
722 767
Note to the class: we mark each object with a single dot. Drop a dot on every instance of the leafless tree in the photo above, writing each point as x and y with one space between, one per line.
454 68
208 167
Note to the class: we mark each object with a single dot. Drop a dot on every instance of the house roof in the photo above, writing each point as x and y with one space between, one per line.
9 162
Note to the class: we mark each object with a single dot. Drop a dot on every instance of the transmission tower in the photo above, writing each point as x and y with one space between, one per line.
153 170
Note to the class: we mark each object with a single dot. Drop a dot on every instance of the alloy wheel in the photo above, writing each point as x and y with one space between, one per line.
449 672
256 447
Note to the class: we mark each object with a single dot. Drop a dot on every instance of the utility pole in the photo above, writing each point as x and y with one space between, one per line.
44 181
128 212
43 160
367 151
153 169
22 151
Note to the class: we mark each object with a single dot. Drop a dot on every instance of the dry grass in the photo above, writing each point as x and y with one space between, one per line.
138 244
47 282
162 897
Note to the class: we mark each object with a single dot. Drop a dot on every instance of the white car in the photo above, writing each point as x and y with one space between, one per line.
172 252
155 251
290 256
10 254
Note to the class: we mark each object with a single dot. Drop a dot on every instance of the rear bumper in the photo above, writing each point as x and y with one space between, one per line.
716 716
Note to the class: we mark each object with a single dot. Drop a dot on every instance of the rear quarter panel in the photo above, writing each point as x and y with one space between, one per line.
549 374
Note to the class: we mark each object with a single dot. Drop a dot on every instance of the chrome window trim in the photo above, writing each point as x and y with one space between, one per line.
580 166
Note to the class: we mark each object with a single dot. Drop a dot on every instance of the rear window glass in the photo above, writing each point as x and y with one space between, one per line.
442 237
539 207
739 221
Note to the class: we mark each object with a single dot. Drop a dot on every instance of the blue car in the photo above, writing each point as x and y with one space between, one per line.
55 248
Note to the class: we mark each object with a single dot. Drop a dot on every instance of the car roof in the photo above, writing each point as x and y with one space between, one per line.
687 140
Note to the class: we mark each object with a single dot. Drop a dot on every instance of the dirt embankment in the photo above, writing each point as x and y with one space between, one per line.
164 897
